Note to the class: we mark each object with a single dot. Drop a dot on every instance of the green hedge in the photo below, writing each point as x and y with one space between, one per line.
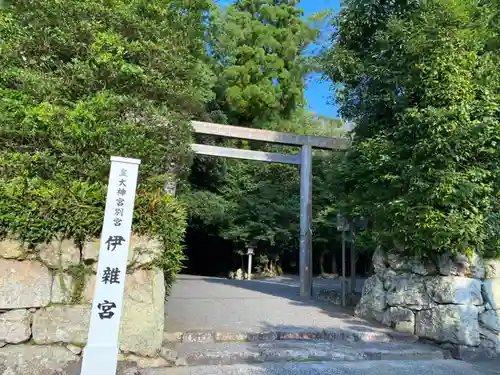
54 167
82 81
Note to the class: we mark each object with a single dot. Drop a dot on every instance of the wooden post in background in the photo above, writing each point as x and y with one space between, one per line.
353 259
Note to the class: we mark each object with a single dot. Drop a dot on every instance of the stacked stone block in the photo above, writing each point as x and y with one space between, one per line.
45 303
454 303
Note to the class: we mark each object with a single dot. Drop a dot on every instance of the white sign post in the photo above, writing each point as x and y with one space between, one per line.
101 353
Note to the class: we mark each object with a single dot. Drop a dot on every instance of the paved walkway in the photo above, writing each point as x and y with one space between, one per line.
444 367
205 303
487 367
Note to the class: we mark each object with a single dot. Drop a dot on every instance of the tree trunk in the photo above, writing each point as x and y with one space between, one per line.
366 267
266 267
321 262
334 263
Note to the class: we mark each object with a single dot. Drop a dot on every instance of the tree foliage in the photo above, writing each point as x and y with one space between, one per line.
84 80
257 47
420 80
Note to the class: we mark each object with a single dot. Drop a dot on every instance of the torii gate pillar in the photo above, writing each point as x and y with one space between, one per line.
305 258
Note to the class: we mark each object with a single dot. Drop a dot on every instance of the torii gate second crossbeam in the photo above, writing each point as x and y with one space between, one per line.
304 159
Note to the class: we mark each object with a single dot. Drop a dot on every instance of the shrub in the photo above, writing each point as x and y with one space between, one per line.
420 80
82 81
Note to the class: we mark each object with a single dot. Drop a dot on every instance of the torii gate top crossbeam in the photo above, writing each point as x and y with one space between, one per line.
270 136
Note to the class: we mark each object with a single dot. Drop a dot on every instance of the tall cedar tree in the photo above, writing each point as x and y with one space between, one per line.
258 47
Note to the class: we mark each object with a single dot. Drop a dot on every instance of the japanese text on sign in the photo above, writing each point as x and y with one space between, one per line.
120 200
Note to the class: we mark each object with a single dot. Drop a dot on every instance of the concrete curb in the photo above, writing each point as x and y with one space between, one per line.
196 354
384 367
332 334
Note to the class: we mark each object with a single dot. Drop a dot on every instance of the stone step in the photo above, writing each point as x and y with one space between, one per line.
382 367
364 334
195 354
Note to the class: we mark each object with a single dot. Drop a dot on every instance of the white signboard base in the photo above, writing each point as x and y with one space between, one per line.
101 353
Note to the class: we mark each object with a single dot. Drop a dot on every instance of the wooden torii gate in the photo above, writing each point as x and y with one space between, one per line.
303 159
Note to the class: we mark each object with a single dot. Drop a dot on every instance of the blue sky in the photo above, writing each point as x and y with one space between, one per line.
317 92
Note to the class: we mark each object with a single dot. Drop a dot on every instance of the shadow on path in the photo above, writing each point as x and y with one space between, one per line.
288 288
199 303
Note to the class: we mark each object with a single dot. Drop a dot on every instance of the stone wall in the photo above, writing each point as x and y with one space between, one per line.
45 303
454 303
